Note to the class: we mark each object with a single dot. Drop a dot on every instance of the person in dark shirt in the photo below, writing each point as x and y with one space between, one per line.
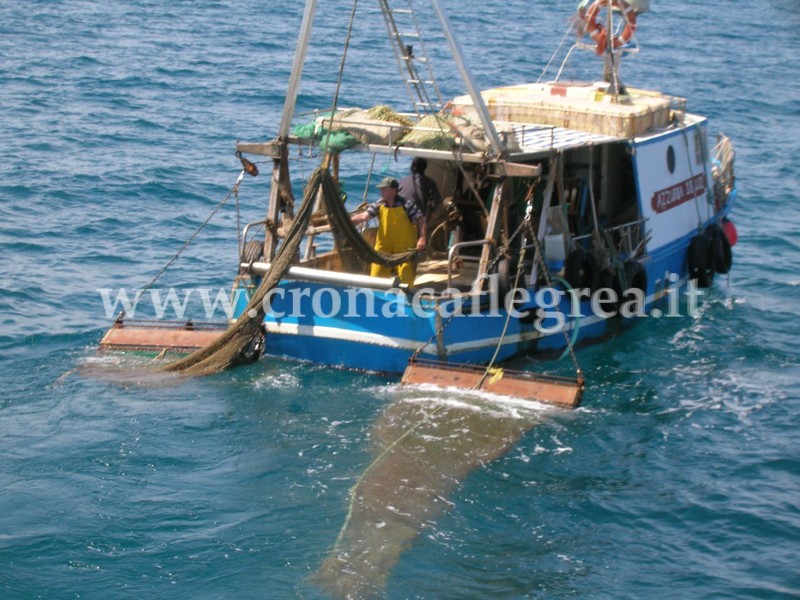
401 227
420 188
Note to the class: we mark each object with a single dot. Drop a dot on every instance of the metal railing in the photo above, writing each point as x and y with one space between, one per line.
245 233
631 236
454 250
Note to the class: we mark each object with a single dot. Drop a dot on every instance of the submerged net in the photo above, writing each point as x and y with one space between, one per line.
424 448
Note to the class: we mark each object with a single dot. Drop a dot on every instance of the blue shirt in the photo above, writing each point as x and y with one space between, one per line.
412 211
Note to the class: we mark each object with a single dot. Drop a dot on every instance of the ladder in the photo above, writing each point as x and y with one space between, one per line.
409 51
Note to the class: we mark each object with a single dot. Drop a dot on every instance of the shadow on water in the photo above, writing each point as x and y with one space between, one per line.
425 444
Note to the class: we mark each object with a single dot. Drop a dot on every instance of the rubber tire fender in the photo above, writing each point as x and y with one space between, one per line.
610 279
253 251
504 277
720 249
636 275
701 260
580 270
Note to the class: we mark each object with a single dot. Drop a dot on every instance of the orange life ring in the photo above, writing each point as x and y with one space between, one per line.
598 32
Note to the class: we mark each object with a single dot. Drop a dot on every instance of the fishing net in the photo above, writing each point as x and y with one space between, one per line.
446 131
234 346
424 447
351 126
381 112
431 132
237 344
354 249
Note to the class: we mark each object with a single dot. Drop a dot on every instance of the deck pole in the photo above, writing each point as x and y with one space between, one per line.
297 68
466 76
280 167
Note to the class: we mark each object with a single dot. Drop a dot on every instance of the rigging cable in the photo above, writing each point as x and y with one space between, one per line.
339 78
234 190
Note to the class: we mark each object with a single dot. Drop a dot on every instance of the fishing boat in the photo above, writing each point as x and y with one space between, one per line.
564 210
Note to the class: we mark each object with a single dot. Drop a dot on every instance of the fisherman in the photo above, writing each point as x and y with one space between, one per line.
401 227
420 188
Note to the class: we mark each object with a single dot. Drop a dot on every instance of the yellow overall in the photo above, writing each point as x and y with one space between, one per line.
396 234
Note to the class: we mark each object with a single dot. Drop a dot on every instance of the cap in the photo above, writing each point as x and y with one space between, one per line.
389 182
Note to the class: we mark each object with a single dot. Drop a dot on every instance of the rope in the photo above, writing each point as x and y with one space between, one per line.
235 190
439 331
570 343
526 224
555 53
691 174
591 188
238 222
520 266
576 329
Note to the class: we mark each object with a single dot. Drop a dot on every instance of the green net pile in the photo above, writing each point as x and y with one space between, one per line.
382 112
431 132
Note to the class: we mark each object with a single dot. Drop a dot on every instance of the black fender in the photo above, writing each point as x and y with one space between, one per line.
701 259
581 269
504 276
636 275
610 279
720 249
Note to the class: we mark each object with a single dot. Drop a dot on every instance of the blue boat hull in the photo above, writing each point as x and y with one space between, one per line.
380 331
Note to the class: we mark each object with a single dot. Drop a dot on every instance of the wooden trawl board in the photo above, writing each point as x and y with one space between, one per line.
528 386
155 339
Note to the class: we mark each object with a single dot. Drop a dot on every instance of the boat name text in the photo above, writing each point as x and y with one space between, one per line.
675 195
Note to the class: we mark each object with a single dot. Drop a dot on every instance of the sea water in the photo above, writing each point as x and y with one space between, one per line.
679 477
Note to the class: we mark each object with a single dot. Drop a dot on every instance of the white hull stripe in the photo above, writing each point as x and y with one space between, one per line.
377 339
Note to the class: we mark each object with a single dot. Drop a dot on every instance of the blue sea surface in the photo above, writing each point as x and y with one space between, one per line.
678 478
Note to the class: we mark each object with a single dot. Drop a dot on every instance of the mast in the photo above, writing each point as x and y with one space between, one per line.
466 76
280 163
297 68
